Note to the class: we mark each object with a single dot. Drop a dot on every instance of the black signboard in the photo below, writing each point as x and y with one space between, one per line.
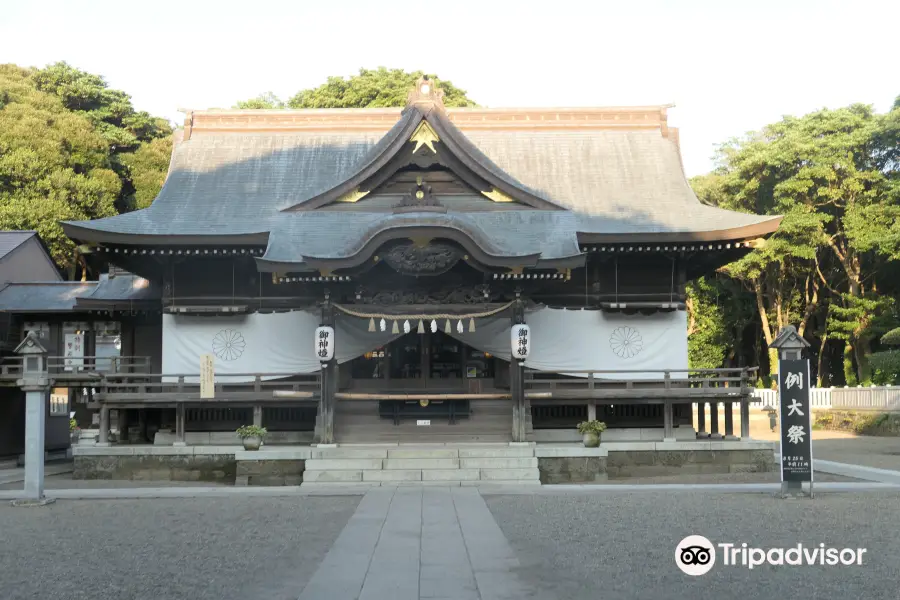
796 420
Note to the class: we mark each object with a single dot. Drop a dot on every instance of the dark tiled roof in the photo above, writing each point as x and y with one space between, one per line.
10 240
339 234
127 287
51 296
65 296
625 181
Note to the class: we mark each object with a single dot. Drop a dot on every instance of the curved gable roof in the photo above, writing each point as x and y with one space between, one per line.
618 171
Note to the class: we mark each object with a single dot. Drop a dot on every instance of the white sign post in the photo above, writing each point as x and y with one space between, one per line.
207 377
74 351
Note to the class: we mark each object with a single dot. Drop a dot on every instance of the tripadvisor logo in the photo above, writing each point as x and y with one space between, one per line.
696 555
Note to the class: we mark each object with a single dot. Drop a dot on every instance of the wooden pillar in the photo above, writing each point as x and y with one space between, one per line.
516 381
257 415
701 421
714 421
123 424
592 410
325 417
668 421
179 424
729 421
104 425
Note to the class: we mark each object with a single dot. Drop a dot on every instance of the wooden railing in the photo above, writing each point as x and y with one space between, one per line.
667 387
87 367
182 390
140 391
640 385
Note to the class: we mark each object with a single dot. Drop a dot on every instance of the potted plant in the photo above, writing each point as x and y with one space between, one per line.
252 436
74 431
591 431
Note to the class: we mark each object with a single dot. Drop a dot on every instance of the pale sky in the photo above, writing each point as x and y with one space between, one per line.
728 66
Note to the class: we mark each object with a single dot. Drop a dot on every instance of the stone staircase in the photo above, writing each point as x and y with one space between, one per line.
406 465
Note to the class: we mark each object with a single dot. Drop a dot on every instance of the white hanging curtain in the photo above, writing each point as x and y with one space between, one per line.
591 340
260 343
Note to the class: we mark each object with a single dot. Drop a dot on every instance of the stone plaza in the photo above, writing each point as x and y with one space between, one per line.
561 542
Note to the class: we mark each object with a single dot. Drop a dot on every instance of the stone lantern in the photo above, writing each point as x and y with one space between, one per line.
35 383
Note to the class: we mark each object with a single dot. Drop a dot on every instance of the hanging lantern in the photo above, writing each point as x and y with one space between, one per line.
371 324
382 325
433 326
325 343
394 329
406 327
459 327
421 327
520 341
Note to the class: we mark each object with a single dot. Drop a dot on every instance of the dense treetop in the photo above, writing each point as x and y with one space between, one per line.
832 268
71 148
372 88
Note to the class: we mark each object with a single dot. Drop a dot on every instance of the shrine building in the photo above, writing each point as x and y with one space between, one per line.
416 239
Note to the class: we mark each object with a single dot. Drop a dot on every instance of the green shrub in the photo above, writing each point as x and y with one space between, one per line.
245 431
594 426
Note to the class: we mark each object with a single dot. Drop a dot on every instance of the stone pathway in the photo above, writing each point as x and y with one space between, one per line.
417 543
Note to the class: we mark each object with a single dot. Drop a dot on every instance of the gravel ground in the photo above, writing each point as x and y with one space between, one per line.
62 482
870 451
193 549
621 545
774 477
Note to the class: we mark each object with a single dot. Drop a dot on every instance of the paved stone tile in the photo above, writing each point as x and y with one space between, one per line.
413 544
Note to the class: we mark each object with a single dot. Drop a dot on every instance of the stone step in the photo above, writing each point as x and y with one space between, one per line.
396 475
421 463
498 463
337 464
450 474
330 453
510 475
499 483
332 476
451 483
342 485
497 452
423 453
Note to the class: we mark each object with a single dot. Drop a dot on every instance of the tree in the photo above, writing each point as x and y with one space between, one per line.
886 364
54 165
263 101
832 174
371 88
125 129
72 149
